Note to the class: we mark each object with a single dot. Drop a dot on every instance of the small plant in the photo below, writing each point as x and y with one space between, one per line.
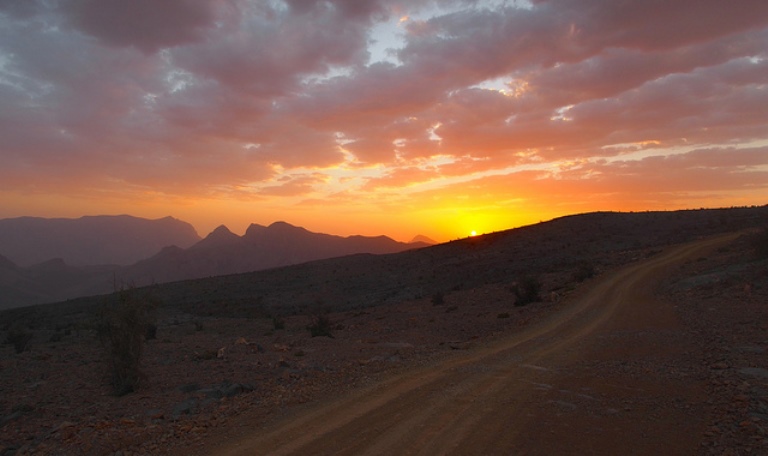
198 326
584 270
278 322
526 291
321 326
19 337
123 327
151 333
760 243
438 299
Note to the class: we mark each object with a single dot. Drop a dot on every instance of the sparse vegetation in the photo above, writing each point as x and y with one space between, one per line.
527 290
151 333
19 337
278 322
760 243
584 270
321 326
123 327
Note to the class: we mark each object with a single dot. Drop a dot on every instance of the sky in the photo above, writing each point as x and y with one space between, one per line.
394 117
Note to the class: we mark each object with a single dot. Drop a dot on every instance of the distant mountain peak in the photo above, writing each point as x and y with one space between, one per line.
422 239
285 227
282 224
90 239
221 230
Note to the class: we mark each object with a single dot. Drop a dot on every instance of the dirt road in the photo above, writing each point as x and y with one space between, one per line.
600 376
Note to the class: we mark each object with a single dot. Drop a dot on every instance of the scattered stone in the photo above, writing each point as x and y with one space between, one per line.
460 345
757 372
185 408
189 388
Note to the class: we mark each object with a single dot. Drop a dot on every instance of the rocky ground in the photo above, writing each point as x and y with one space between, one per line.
723 302
209 378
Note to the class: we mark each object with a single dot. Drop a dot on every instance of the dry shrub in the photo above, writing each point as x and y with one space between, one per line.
123 326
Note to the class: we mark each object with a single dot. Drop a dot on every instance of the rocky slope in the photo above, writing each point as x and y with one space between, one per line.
228 357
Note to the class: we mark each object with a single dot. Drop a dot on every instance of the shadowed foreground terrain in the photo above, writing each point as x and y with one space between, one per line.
681 352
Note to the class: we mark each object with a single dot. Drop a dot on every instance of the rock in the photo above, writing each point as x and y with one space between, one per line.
757 372
232 390
460 345
397 345
212 393
64 425
8 418
185 408
156 414
226 390
189 388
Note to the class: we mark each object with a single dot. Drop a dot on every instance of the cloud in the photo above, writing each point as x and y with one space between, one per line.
146 25
293 186
223 99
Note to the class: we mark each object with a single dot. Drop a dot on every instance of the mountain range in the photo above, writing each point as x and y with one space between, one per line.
222 252
90 240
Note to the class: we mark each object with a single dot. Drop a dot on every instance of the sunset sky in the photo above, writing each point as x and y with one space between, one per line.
433 117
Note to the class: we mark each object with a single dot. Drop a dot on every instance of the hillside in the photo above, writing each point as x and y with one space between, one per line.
279 244
220 253
556 248
234 353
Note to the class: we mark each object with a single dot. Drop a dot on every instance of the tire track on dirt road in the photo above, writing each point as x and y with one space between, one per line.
481 402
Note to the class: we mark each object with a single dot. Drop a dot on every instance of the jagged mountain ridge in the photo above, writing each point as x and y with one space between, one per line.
280 244
220 253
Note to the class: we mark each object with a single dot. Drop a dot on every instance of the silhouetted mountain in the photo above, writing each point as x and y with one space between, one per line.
279 244
556 246
50 281
92 240
551 250
423 239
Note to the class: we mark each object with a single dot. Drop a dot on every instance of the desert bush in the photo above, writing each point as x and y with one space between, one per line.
584 270
19 337
438 299
760 243
278 322
321 326
151 332
526 290
123 327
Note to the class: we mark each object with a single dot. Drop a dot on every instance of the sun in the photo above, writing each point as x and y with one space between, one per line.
473 233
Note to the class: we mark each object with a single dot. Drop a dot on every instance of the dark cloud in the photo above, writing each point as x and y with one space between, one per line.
147 25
